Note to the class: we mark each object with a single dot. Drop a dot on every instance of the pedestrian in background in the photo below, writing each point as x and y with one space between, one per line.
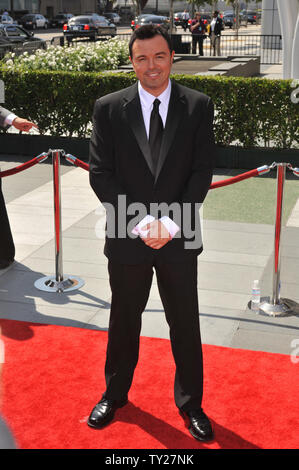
198 31
215 29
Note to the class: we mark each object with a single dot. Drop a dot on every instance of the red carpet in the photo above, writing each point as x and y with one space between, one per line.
53 376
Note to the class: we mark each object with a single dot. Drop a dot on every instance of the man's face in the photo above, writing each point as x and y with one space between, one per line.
152 63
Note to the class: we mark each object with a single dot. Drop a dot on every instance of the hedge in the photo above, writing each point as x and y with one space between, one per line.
249 112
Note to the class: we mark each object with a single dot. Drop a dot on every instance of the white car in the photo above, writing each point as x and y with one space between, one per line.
34 21
6 19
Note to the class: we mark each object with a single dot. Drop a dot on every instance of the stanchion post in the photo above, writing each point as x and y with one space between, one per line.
58 283
57 215
276 306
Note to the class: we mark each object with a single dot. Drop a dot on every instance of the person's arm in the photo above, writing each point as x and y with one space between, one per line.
11 119
204 158
194 26
101 159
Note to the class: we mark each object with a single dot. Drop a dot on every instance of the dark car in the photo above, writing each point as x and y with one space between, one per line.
88 26
14 38
154 19
228 19
179 20
112 17
137 20
34 21
59 20
252 17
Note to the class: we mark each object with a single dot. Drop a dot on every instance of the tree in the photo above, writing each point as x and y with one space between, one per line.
201 3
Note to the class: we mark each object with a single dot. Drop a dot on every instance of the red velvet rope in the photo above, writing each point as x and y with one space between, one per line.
235 179
19 168
81 164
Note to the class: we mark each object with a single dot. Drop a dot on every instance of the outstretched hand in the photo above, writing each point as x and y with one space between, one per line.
23 124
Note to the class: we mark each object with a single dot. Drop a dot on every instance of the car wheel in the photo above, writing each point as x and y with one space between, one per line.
34 26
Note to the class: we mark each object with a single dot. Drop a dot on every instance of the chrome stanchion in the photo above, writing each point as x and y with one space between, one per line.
277 306
59 282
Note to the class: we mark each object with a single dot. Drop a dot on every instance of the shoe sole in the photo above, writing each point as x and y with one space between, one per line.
100 426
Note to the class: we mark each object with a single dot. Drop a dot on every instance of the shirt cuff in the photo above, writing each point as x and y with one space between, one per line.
9 119
170 225
138 229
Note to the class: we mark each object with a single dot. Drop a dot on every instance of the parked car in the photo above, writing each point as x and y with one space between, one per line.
60 19
253 17
34 21
16 39
229 19
6 19
154 19
179 21
137 20
112 17
88 26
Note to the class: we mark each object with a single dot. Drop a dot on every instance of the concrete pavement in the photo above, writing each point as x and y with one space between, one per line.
234 255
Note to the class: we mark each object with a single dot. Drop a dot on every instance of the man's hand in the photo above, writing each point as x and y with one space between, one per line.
157 235
23 124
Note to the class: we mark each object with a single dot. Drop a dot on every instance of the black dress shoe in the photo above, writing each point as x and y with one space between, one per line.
4 263
103 412
198 424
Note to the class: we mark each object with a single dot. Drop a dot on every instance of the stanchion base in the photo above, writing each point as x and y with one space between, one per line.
284 307
50 284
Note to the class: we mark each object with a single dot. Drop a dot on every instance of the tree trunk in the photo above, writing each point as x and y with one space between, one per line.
171 16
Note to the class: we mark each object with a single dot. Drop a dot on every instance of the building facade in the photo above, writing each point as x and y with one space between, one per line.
49 8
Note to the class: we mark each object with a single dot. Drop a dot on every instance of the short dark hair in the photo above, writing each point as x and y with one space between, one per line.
149 31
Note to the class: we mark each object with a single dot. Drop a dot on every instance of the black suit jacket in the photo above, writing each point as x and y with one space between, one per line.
120 164
218 27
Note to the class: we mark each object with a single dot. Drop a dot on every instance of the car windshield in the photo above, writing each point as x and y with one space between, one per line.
80 20
15 31
28 17
152 19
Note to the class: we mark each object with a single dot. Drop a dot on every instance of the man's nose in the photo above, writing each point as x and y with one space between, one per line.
151 63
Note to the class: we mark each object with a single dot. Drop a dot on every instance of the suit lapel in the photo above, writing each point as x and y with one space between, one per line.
133 110
174 115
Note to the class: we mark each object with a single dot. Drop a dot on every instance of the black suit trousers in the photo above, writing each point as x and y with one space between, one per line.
7 248
177 284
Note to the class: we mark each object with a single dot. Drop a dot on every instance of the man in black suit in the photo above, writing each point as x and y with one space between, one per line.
7 248
215 28
152 152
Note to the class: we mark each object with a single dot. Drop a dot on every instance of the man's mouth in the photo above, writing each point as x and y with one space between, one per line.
153 74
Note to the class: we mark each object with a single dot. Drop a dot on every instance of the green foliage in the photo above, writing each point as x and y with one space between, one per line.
249 112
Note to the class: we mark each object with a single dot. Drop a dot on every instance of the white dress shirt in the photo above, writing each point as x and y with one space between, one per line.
147 100
213 22
9 119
